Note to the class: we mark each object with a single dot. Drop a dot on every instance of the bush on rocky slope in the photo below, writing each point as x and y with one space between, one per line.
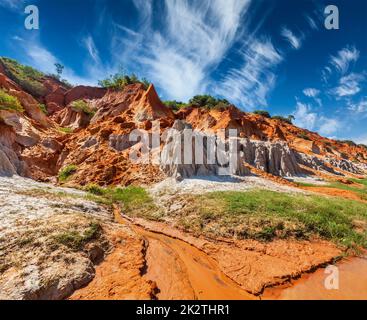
120 80
67 172
263 113
10 103
27 77
288 120
82 106
175 105
208 101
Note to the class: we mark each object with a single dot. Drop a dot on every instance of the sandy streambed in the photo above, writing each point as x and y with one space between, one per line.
181 271
175 265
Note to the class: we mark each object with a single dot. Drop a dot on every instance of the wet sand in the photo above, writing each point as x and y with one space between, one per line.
184 272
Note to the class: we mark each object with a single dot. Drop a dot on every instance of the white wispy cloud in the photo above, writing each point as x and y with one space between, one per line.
89 44
17 38
329 126
311 92
361 139
11 4
39 57
359 107
305 118
349 85
193 39
250 84
295 42
312 23
342 60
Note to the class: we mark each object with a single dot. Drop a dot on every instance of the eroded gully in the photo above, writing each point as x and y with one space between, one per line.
181 271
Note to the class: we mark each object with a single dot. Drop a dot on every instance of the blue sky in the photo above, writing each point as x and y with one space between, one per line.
259 54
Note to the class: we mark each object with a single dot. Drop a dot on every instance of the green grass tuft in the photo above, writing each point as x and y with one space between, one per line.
135 201
67 172
43 108
66 130
75 240
82 106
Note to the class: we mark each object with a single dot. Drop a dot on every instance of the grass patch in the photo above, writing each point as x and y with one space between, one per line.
95 189
66 130
67 172
43 108
135 201
75 240
82 106
265 215
9 103
360 190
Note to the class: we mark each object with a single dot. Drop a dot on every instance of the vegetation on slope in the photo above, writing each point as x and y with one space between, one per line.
120 80
266 114
82 106
267 215
199 101
67 172
9 103
357 186
27 77
135 201
76 240
207 101
175 105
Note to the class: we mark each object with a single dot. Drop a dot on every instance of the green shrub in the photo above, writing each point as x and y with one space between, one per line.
43 108
67 172
175 105
348 142
289 119
207 101
303 135
82 106
263 113
120 80
66 130
95 189
10 103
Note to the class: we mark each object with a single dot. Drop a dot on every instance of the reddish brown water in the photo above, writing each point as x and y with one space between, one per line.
352 284
181 271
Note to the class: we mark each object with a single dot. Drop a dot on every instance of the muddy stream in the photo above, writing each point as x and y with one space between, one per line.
182 271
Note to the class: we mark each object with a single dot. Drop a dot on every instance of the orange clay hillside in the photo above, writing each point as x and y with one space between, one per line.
88 128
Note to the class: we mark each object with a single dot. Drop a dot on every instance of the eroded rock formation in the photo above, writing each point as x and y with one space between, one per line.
35 144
